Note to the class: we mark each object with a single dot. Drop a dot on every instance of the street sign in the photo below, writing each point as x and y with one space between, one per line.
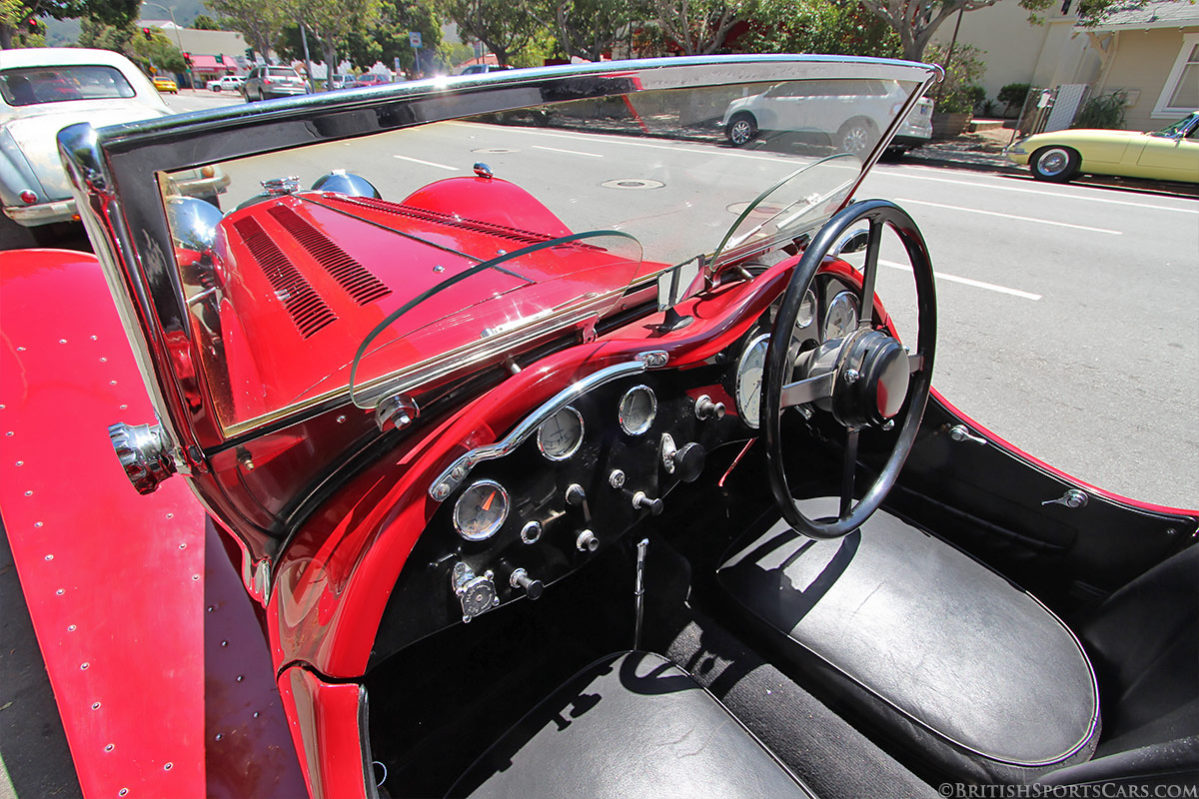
414 38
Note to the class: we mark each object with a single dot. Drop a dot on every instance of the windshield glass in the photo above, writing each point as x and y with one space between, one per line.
36 85
399 260
1175 129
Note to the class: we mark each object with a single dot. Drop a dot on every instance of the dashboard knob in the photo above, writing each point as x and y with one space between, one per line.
532 588
654 506
689 462
705 408
575 495
587 542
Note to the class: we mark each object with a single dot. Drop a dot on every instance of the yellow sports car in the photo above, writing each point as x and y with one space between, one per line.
1171 153
165 85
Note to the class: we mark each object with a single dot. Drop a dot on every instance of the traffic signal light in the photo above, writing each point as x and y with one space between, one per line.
250 53
33 26
146 33
187 59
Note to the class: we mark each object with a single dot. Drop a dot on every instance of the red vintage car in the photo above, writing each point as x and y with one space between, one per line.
520 480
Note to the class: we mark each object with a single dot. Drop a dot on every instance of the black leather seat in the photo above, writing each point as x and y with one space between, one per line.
630 725
975 678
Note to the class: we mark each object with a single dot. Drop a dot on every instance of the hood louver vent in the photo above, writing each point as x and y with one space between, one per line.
501 231
355 278
307 309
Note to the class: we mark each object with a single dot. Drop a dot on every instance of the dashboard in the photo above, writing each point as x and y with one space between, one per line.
580 471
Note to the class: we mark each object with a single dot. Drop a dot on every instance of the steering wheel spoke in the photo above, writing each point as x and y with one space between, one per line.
870 273
802 392
849 468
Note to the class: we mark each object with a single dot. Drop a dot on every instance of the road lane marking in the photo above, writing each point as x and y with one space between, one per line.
1012 216
425 163
568 152
1042 193
965 281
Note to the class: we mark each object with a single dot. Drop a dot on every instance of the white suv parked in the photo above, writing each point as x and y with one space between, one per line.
231 82
850 114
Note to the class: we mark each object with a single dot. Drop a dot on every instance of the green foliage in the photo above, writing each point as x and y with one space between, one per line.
1012 96
260 21
959 92
1103 111
696 27
818 26
16 14
586 28
203 22
159 52
505 27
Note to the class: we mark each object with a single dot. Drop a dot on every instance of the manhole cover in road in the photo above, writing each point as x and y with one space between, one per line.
494 150
633 184
764 211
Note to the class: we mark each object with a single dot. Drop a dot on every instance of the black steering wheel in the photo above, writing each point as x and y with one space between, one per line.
862 379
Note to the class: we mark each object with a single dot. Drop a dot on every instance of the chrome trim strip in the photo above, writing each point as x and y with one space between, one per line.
457 472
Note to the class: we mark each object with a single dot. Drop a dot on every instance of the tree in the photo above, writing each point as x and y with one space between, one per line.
915 21
818 26
698 27
589 28
203 22
260 21
15 15
505 27
331 21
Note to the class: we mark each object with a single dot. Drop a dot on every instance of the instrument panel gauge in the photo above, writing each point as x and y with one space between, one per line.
559 436
842 316
638 407
807 310
748 388
481 510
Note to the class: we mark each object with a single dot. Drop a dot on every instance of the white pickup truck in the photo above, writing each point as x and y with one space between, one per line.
230 82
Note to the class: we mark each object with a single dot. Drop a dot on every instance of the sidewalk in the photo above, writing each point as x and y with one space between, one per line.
981 151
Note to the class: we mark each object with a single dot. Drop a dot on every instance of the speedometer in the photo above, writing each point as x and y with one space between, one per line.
481 510
748 388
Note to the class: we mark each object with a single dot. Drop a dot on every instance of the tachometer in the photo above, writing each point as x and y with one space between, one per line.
748 389
807 310
842 316
638 407
559 436
481 510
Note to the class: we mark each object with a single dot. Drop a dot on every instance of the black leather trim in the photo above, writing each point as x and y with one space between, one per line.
1166 764
631 724
949 658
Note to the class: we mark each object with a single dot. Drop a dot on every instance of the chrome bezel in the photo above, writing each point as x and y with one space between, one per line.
840 296
763 340
531 532
641 429
809 301
574 447
490 529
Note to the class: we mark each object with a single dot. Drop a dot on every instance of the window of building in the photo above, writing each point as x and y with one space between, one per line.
1181 91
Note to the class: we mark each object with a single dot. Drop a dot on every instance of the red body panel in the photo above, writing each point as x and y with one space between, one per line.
325 720
112 579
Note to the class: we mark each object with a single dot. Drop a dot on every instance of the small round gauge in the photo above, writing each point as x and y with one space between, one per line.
842 316
559 436
807 310
638 407
481 510
748 390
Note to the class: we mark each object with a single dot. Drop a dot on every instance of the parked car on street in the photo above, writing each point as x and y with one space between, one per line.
341 81
226 83
814 112
1171 153
483 69
614 470
267 82
371 79
43 90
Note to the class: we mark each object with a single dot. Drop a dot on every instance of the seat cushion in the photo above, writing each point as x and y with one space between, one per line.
629 725
945 657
